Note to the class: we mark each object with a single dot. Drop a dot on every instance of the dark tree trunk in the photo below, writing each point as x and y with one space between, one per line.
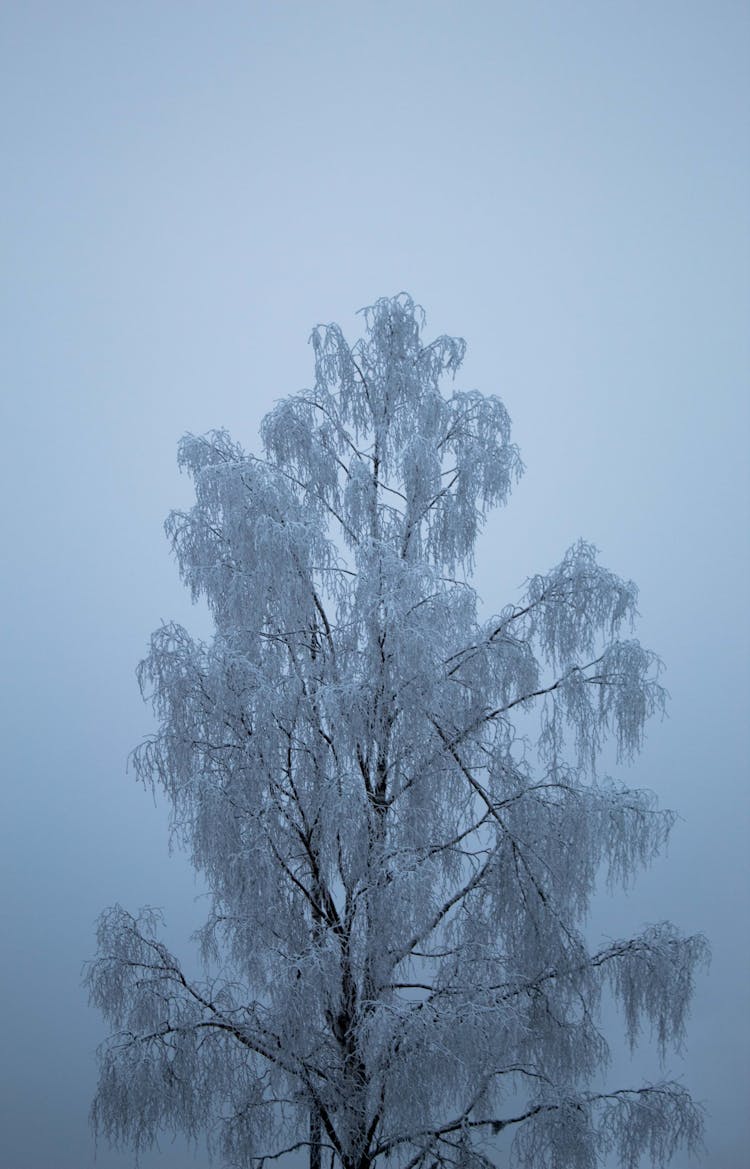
315 1133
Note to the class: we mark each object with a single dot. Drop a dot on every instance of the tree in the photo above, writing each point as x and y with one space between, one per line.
397 807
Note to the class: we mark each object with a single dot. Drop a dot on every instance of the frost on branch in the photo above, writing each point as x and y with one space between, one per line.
397 807
653 1121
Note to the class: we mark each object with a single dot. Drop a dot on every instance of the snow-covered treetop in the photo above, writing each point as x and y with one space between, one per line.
400 866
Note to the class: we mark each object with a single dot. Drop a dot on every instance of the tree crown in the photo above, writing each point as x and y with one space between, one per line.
400 868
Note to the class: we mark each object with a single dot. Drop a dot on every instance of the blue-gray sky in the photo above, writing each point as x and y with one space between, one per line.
187 188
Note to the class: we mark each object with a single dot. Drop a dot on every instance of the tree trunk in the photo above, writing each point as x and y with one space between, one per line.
315 1131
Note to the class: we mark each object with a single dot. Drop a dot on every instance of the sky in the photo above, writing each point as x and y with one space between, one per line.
187 189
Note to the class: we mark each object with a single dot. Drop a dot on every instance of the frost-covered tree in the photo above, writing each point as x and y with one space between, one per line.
396 806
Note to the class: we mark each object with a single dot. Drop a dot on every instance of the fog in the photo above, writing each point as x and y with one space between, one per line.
188 188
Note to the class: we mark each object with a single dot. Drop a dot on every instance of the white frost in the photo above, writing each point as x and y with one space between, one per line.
395 964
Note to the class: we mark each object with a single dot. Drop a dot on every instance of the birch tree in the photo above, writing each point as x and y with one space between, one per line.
397 806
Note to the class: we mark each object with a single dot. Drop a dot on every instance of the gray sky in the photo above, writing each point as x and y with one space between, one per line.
188 188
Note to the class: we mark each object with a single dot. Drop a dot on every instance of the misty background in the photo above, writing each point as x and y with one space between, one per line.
187 189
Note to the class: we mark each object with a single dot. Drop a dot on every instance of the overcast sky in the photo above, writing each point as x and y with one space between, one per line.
189 187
